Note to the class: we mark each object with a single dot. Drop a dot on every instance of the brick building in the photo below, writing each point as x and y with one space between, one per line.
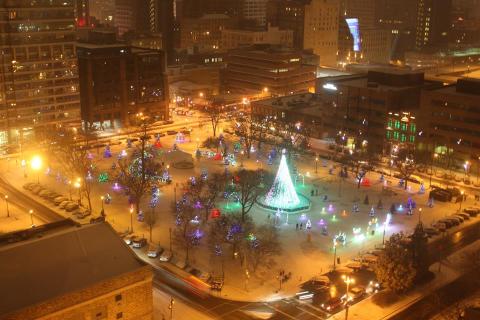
117 81
364 105
452 117
279 70
64 272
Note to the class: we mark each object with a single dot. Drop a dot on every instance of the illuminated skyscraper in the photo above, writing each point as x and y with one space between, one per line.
38 68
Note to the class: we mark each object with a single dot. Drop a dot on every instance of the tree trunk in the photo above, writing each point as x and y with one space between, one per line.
137 204
151 227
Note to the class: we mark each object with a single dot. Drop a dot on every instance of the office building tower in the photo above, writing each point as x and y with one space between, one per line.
38 74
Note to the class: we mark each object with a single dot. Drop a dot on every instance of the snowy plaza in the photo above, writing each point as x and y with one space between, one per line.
317 211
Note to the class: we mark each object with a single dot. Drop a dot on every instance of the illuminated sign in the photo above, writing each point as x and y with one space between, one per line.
330 86
355 31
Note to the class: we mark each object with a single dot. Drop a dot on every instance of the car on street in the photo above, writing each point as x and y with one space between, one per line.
464 215
472 212
356 292
129 239
431 231
332 304
154 250
63 204
166 256
138 243
59 200
71 206
171 132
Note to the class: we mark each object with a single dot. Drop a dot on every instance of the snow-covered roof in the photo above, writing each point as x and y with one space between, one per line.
61 261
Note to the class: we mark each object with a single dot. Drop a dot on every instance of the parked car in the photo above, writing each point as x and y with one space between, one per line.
415 179
154 250
457 218
332 304
464 215
356 292
472 212
171 132
450 222
83 214
440 226
71 206
129 239
166 256
138 243
63 204
59 200
29 185
431 231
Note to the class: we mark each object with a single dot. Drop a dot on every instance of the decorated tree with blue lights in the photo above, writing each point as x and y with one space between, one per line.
282 194
187 233
139 172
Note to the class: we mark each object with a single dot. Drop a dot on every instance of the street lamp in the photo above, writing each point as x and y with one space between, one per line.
435 156
31 217
131 219
6 203
70 189
241 163
316 164
170 306
103 200
36 164
461 200
347 280
385 224
334 253
77 185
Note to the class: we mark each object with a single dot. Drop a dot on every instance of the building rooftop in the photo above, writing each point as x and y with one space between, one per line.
61 260
464 87
294 101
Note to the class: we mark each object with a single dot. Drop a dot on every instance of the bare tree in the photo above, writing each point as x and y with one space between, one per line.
246 129
187 233
215 113
247 185
139 172
74 158
204 191
406 168
262 245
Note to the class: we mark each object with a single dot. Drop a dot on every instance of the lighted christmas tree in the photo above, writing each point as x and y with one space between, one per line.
282 194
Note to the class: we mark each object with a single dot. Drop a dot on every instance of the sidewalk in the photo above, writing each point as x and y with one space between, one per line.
450 270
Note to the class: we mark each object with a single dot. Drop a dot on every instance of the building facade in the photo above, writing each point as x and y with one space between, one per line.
117 81
83 279
451 116
433 23
234 38
255 11
260 68
38 74
367 107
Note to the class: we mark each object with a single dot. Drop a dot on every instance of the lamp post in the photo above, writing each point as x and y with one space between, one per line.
461 200
31 217
131 219
385 224
70 189
6 203
435 156
316 164
334 253
102 198
36 164
170 306
77 185
241 163
347 280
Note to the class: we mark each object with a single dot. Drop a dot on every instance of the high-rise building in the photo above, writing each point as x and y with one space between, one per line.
321 30
260 68
255 11
82 13
103 11
38 74
314 23
117 81
433 24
